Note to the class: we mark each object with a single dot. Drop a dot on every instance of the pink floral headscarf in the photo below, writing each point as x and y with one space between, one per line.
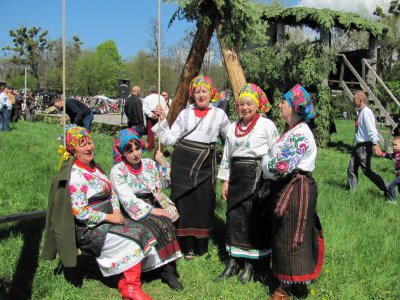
204 81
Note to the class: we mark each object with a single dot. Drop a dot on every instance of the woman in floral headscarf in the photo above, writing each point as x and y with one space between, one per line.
247 141
84 213
297 242
193 164
135 180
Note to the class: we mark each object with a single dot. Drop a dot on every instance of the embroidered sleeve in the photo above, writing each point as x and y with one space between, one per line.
272 134
169 136
286 158
114 201
136 208
224 126
164 172
224 168
78 189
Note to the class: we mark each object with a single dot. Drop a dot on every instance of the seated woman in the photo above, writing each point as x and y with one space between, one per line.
84 213
134 181
297 242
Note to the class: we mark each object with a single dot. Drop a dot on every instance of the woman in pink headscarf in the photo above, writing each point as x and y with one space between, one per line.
193 164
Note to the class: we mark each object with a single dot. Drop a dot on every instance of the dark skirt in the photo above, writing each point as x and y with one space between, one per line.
193 192
246 216
297 262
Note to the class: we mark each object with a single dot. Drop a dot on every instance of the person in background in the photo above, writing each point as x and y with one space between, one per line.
223 103
366 139
247 141
297 242
149 107
392 197
166 97
77 111
5 109
134 111
193 164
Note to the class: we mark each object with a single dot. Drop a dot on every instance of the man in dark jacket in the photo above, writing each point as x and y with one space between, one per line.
223 103
77 111
134 111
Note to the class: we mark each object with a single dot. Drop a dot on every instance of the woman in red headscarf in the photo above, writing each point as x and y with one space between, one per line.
248 140
193 164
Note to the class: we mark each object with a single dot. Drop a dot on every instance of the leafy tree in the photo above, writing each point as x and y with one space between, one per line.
29 45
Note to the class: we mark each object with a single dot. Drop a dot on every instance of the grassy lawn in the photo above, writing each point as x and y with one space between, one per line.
361 230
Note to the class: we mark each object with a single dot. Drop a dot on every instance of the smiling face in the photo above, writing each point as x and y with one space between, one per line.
202 96
133 152
247 109
84 150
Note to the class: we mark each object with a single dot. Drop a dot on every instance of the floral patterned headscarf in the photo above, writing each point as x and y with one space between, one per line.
120 141
255 93
73 133
204 81
300 101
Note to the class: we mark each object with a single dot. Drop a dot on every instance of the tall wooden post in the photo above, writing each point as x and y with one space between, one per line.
372 58
232 63
325 37
192 66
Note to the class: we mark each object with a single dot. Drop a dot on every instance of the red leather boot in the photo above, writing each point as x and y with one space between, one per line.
130 286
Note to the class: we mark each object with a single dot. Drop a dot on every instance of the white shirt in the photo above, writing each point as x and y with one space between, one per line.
255 144
5 100
150 102
294 150
366 130
215 123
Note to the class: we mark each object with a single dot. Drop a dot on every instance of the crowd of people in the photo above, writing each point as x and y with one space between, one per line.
272 225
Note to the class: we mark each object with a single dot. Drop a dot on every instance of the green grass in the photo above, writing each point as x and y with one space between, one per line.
361 230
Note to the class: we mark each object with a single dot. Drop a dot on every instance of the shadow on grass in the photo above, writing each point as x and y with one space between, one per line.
338 184
28 261
340 146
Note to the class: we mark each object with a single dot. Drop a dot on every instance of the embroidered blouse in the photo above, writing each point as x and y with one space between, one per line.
84 185
215 123
126 184
255 144
294 150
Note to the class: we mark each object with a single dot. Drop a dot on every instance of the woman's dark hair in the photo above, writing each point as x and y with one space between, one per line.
132 144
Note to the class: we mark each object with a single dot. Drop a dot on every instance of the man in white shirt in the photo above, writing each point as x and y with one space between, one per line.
366 138
5 109
149 106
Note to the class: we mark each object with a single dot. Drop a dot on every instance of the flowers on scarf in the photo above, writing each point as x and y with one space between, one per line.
204 81
255 93
300 101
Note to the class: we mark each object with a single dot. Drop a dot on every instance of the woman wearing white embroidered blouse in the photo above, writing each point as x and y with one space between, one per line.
247 141
297 242
193 164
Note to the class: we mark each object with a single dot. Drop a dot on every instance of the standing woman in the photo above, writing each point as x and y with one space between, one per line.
193 164
297 242
247 141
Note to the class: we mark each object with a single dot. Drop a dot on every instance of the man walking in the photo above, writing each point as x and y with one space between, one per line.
366 138
5 109
134 111
77 111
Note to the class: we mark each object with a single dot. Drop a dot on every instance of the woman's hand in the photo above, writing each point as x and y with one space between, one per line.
159 212
224 190
160 112
159 157
115 218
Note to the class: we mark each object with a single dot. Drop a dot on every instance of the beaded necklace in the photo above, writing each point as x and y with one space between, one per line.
84 166
240 132
132 169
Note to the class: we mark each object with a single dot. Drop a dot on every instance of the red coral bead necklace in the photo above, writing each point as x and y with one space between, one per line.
240 132
133 170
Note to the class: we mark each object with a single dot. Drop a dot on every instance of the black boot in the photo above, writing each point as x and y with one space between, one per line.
169 276
232 268
247 274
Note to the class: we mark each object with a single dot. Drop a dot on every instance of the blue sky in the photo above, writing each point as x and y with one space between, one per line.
124 21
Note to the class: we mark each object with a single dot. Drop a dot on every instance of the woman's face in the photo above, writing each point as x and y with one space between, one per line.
202 96
134 155
84 150
247 109
286 111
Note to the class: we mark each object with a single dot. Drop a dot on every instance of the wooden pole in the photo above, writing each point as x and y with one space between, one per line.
159 69
63 66
192 66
